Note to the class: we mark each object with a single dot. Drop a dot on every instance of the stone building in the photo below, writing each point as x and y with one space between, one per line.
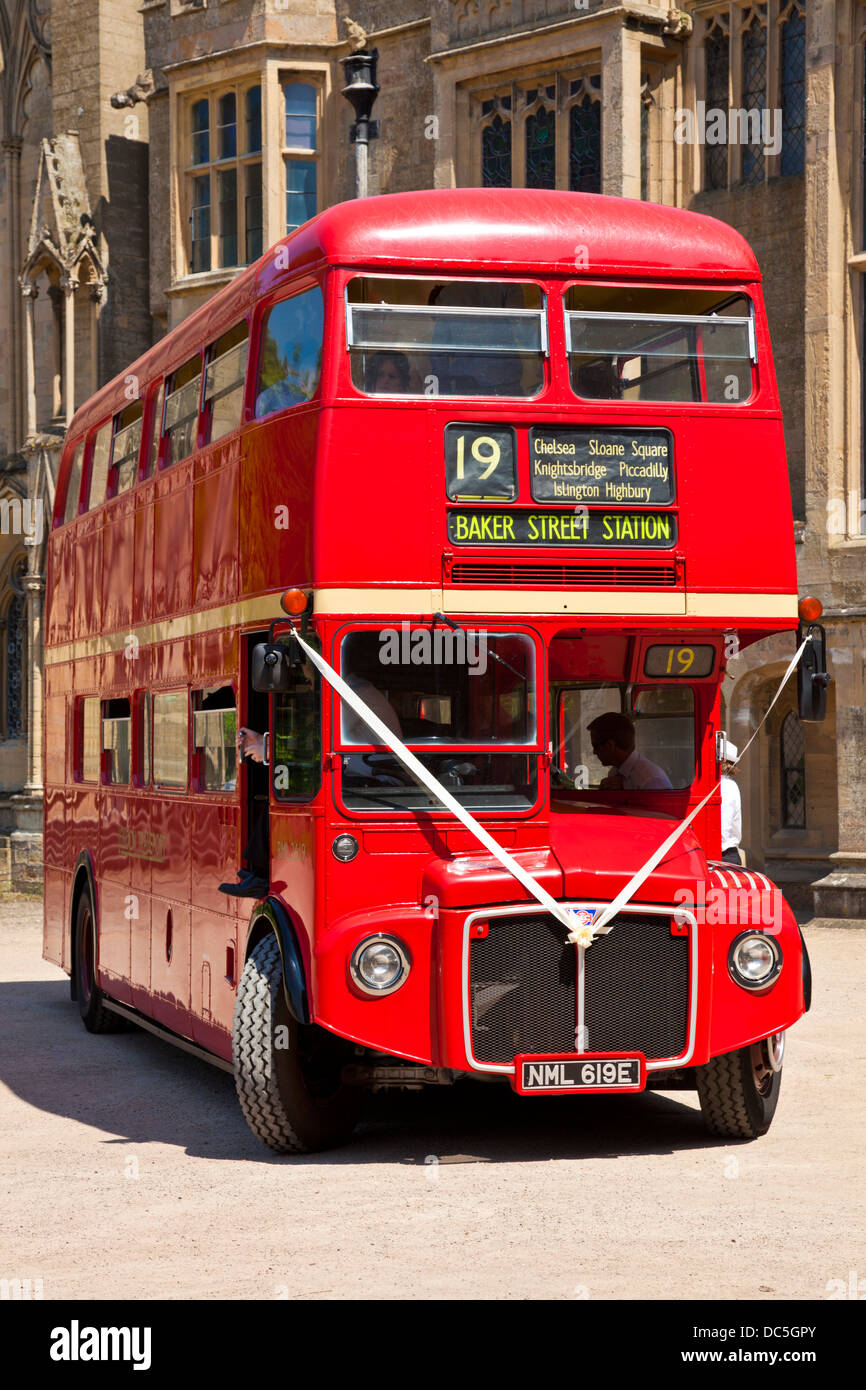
228 127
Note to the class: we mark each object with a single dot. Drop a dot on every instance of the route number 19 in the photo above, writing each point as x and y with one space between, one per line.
480 463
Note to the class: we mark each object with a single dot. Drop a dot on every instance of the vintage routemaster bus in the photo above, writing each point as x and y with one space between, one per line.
465 498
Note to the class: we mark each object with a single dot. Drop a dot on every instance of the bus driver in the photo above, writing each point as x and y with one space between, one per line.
612 738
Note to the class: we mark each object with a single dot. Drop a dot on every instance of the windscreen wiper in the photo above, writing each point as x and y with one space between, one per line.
441 618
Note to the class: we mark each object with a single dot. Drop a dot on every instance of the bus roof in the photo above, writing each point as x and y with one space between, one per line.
524 230
488 230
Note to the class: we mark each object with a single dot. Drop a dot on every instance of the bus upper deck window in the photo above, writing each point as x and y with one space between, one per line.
181 411
99 466
291 355
73 487
127 441
658 344
224 381
451 337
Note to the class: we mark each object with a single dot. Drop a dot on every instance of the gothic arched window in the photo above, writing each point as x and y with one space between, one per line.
13 657
793 760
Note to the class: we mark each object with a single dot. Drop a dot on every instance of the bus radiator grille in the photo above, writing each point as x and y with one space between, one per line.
550 576
522 989
637 988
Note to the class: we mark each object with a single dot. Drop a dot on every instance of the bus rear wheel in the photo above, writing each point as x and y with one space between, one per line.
288 1075
95 1017
739 1091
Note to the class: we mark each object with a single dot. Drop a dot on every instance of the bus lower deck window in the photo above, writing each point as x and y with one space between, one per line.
116 743
215 728
170 738
450 337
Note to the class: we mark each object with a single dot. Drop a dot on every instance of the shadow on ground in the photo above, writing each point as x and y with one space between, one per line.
139 1089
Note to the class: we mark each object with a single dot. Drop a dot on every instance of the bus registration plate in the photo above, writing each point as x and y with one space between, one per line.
609 1071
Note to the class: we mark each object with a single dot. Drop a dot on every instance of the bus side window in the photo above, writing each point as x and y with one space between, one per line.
87 759
297 752
170 738
215 730
181 411
124 455
144 731
116 724
224 382
291 354
73 488
155 431
99 466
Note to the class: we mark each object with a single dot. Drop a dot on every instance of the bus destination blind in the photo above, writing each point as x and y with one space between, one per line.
607 467
481 526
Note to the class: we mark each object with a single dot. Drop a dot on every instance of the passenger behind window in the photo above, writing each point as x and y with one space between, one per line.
387 374
291 352
492 373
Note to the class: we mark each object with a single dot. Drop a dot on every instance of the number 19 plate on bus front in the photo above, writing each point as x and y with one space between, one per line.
563 1073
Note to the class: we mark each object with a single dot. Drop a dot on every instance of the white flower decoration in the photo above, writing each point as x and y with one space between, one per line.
581 936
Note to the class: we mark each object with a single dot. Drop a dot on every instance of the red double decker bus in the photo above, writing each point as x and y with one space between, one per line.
514 462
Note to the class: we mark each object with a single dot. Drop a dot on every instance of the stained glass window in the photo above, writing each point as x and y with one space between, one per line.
717 58
754 96
16 640
793 750
584 146
496 154
793 91
541 148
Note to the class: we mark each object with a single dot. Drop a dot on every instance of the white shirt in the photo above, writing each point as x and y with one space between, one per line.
732 814
639 774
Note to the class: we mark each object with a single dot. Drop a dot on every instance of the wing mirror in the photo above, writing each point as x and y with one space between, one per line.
812 677
276 669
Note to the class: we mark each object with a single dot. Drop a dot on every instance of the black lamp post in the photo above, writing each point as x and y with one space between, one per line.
361 90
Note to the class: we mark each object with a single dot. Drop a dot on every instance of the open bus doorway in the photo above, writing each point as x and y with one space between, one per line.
253 871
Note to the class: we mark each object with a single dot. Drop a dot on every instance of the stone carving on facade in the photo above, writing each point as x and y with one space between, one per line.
142 89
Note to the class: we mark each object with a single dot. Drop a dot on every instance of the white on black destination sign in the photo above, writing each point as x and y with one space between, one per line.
631 468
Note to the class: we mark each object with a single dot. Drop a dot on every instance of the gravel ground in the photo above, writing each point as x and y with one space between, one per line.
130 1173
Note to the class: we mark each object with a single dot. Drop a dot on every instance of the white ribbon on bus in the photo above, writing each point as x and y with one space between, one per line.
581 935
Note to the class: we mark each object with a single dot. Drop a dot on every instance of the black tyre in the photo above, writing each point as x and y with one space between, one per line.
288 1075
95 1017
739 1091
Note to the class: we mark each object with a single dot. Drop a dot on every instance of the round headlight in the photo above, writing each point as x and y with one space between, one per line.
379 965
344 848
755 960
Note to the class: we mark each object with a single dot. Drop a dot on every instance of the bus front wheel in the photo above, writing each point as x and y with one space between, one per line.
95 1017
739 1091
288 1075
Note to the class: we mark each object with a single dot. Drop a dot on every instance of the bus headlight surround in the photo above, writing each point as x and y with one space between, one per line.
379 965
754 960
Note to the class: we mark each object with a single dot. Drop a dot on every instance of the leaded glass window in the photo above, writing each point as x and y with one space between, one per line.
584 146
793 91
496 154
717 59
541 148
754 96
793 750
16 642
